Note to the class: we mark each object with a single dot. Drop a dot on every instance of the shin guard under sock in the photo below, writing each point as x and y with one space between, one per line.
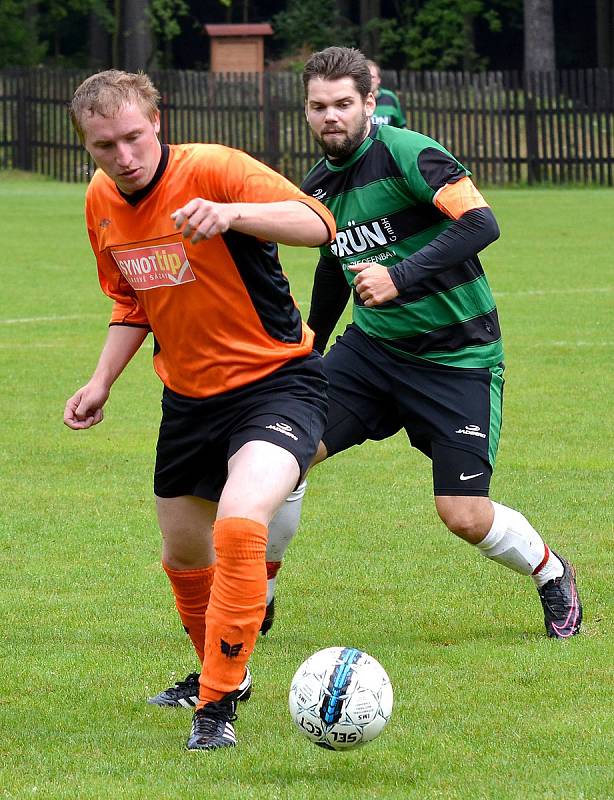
236 607
514 542
192 588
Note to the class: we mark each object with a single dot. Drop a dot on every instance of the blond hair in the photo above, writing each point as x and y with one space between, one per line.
105 93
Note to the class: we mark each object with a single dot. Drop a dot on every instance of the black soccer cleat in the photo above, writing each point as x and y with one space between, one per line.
185 693
561 604
212 726
269 617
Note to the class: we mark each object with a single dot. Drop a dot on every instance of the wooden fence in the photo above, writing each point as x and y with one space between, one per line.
507 127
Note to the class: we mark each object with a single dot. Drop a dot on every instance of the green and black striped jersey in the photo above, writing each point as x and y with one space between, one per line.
388 110
382 199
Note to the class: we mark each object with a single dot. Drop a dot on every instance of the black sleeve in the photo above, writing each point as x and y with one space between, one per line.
329 297
465 237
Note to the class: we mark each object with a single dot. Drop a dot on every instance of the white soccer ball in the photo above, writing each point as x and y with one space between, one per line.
340 698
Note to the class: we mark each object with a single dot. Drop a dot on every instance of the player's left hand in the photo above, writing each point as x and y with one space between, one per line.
373 284
202 219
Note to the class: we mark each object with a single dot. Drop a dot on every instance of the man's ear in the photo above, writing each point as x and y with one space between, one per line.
370 104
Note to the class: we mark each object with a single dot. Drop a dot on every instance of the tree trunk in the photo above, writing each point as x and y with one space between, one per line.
115 35
99 40
469 49
136 41
344 7
369 9
30 13
539 51
605 33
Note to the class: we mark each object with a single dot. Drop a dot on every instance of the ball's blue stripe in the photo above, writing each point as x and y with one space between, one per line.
330 710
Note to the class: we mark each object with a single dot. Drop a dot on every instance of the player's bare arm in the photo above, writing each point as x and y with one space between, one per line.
373 284
86 407
288 221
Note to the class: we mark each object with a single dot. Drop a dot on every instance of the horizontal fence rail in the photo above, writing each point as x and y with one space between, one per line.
507 127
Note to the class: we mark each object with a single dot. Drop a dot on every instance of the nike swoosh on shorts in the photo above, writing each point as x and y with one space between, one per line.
464 477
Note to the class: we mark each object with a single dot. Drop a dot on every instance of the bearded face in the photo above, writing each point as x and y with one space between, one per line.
339 141
337 115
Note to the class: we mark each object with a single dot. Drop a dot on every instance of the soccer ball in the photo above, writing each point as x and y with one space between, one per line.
340 698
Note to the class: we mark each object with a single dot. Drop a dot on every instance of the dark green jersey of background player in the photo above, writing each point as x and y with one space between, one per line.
382 199
388 110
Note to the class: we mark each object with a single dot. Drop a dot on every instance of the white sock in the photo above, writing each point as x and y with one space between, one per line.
514 542
553 568
282 528
270 584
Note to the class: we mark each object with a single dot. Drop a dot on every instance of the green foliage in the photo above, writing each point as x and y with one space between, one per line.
54 11
105 16
63 25
309 25
164 17
438 34
19 45
32 32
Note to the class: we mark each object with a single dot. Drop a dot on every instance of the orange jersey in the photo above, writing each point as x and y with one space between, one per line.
221 310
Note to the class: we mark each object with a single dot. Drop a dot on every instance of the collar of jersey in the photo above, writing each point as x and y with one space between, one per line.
340 166
135 197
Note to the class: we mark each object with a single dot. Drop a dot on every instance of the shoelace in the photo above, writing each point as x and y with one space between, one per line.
554 596
206 719
190 679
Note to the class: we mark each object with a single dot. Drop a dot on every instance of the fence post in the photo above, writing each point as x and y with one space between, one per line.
271 123
23 143
533 171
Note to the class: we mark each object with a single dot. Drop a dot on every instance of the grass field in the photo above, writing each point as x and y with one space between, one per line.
485 705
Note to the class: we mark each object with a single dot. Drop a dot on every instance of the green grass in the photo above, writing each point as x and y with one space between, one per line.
485 705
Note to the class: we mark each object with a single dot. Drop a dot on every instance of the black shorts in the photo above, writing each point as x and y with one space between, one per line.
198 436
452 415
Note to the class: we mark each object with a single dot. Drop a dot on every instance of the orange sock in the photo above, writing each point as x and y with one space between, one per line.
236 607
192 588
